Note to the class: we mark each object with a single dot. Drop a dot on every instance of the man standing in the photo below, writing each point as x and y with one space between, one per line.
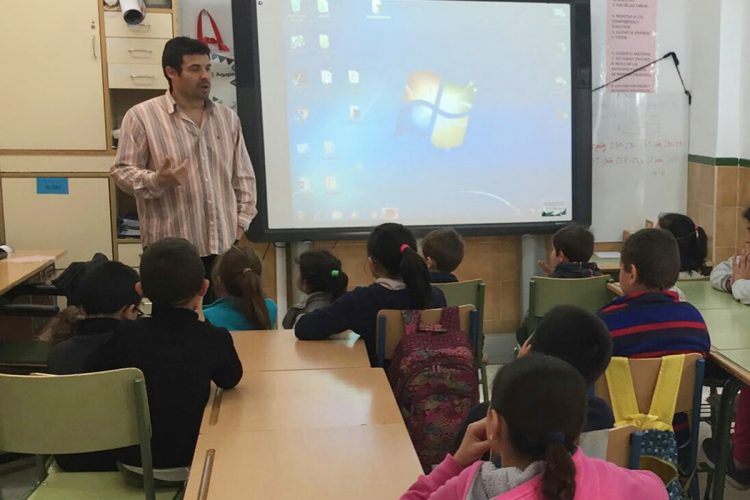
184 159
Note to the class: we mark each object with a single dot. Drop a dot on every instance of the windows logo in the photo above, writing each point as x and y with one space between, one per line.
441 109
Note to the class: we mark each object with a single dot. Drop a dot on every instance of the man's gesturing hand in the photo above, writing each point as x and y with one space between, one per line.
170 175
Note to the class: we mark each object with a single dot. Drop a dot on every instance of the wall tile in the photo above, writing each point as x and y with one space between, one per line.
726 227
743 184
726 186
706 183
722 254
693 182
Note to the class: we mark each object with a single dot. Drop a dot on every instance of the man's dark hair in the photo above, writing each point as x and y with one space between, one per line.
576 336
445 247
576 242
178 47
106 288
172 272
656 256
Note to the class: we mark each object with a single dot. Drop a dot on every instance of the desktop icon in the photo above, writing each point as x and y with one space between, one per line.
354 112
303 149
301 114
297 41
296 5
304 184
330 183
325 42
299 78
353 76
323 6
377 6
329 149
326 77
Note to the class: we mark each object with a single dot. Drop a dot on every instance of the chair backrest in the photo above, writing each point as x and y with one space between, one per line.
588 293
623 446
390 327
467 292
72 413
645 373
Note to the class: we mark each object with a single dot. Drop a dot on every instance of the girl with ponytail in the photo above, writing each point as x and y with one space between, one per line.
321 278
692 242
402 281
243 305
536 415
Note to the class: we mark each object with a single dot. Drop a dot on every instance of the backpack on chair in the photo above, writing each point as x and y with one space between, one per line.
434 379
658 445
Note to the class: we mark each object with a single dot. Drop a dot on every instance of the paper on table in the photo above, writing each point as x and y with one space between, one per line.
607 255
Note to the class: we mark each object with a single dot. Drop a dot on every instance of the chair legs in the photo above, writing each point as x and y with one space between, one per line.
485 382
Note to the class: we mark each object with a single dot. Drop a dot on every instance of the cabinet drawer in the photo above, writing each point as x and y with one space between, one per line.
135 50
137 76
130 254
155 25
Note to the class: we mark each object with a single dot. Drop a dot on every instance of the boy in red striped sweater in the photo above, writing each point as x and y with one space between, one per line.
649 320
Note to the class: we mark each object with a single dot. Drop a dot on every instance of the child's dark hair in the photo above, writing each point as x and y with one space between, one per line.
178 47
576 242
577 336
172 272
692 241
655 255
393 247
543 402
104 289
445 247
239 271
322 272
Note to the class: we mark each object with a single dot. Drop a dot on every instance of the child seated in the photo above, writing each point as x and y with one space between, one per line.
692 243
572 248
321 278
443 250
649 321
243 305
733 275
578 337
106 295
402 281
177 352
538 411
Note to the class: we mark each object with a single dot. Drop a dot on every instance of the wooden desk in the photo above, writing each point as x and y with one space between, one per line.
268 400
607 266
21 265
266 350
358 462
728 328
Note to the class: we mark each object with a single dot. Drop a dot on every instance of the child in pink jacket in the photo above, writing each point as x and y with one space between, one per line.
537 413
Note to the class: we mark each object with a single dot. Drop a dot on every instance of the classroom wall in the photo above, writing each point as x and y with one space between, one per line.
718 173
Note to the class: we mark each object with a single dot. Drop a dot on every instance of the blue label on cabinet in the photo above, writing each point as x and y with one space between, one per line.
52 185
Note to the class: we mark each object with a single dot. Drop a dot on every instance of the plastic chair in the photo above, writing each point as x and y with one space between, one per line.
587 293
645 373
390 328
23 355
46 415
470 292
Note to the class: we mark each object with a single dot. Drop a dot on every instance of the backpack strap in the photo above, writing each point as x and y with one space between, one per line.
667 388
663 402
621 392
411 319
450 318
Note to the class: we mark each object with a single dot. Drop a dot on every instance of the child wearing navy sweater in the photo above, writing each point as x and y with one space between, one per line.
402 281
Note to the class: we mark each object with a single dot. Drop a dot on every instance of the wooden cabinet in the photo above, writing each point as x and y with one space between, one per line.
78 220
52 92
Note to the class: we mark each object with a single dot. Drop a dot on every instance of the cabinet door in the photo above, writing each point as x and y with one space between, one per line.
52 95
78 221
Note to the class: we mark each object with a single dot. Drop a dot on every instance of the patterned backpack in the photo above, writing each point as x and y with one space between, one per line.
658 445
434 379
